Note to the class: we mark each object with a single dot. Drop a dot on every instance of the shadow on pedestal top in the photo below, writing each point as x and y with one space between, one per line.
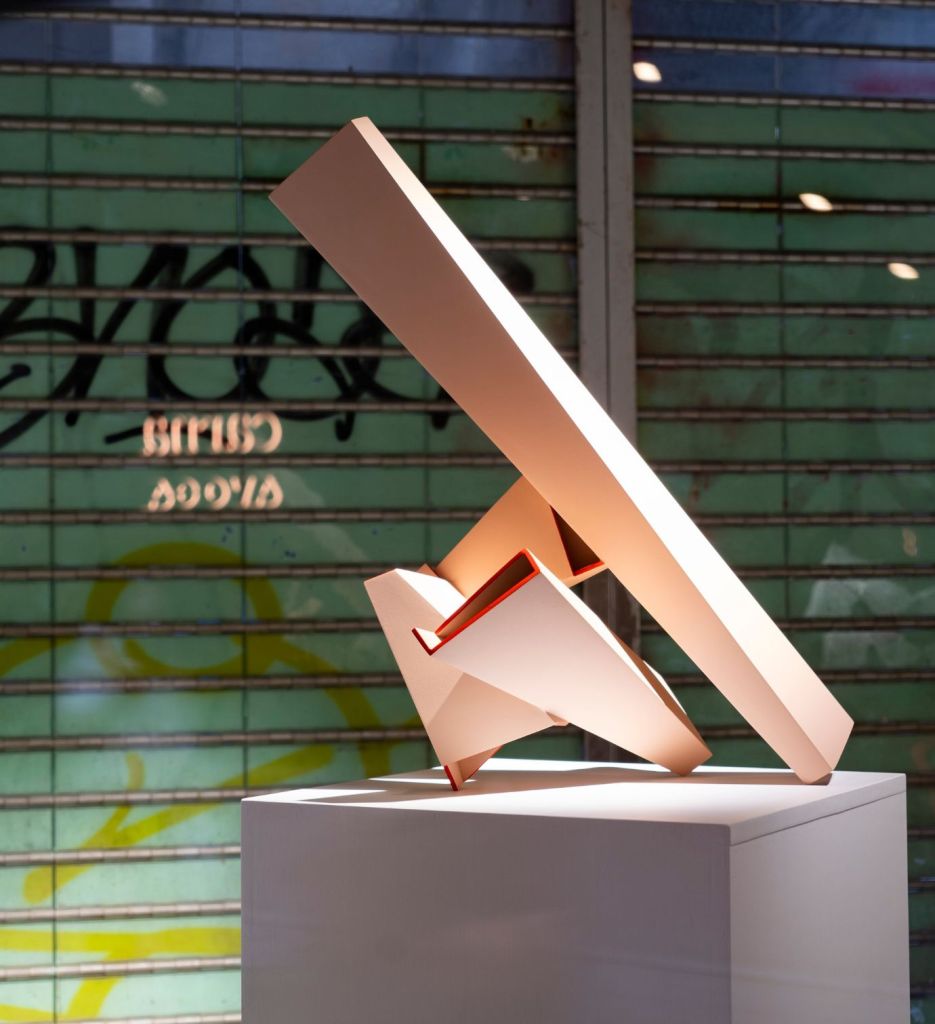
749 802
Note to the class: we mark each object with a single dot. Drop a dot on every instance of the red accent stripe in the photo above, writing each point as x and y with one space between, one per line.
450 777
587 568
493 604
424 645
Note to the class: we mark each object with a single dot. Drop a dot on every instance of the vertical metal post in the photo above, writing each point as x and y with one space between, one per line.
606 323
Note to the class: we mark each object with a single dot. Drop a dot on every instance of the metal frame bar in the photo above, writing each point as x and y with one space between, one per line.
75 630
109 15
607 329
358 571
786 49
214 684
222 129
286 77
258 185
122 237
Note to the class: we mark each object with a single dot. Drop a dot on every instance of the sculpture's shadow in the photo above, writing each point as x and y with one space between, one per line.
496 779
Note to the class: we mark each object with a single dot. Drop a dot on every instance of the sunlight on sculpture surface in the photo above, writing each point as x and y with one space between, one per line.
492 643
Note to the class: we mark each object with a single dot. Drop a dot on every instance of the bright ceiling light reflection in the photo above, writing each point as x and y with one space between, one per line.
816 202
905 271
647 72
150 94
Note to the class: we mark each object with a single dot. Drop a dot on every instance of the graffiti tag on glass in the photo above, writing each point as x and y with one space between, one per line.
240 433
236 434
217 493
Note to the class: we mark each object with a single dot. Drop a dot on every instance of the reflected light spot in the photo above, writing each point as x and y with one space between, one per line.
150 94
647 72
816 202
905 271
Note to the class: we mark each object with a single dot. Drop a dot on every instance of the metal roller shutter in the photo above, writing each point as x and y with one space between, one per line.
785 354
181 616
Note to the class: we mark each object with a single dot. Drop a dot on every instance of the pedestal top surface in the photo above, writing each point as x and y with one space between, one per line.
748 802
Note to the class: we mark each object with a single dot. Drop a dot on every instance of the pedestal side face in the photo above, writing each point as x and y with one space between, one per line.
819 920
380 914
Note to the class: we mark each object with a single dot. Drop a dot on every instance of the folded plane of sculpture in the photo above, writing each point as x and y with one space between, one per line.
492 643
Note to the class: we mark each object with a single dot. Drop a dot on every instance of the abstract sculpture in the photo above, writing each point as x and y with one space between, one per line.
493 644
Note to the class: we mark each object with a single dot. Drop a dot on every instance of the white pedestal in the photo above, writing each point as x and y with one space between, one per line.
559 893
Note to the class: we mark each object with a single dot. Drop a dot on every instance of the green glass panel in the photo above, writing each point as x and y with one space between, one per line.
22 95
665 175
722 124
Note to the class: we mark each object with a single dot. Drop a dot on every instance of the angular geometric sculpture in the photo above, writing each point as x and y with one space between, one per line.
502 646
529 636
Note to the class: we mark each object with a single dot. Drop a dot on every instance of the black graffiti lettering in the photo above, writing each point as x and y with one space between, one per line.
354 378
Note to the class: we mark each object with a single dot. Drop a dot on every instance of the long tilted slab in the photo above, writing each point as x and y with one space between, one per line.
362 208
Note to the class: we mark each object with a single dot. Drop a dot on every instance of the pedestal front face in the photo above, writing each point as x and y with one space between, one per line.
557 892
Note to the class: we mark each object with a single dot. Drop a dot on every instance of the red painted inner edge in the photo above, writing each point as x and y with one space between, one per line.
587 568
534 571
424 645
